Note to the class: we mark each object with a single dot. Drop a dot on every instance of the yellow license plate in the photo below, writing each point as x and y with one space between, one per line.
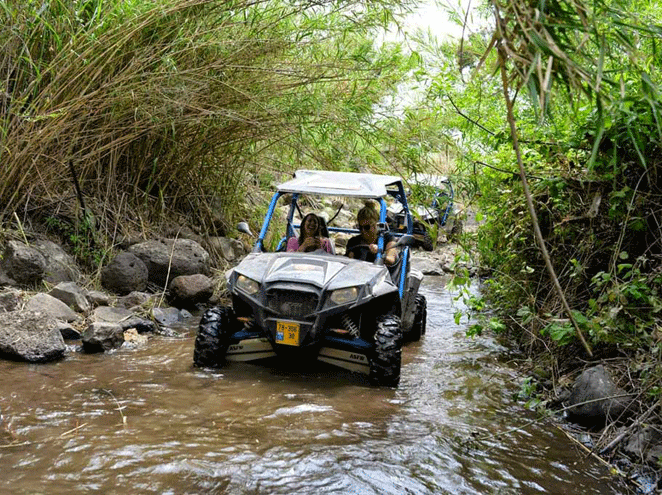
287 332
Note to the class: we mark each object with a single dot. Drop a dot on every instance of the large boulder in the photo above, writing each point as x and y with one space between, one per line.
169 258
188 290
52 307
30 336
595 398
60 266
23 264
227 248
126 273
102 336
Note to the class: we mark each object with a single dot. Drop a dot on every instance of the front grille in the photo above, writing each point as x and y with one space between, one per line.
288 304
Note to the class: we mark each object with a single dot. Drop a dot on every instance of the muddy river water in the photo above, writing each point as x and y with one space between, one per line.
145 420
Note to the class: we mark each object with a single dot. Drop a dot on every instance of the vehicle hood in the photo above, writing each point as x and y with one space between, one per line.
325 271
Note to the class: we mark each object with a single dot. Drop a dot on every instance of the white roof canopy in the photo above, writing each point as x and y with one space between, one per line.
328 183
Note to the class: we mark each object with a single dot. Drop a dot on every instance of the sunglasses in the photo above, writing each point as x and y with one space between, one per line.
365 227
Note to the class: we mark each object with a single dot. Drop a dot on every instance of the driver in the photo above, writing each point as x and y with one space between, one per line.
364 246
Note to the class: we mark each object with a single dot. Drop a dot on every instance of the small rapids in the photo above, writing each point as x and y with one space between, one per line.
144 420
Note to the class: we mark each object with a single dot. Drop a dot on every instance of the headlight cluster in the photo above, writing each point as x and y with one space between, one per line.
344 296
248 285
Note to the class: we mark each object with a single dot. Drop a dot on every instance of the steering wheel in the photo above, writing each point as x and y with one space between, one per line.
360 251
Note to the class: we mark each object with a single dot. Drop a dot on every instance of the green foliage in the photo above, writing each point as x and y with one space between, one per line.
172 107
585 82
81 238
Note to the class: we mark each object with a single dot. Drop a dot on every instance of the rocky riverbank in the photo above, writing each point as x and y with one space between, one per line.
148 288
48 308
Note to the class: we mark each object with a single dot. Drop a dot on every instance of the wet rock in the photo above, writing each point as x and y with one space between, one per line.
23 264
126 273
427 266
595 398
52 307
72 295
124 318
68 332
188 290
30 336
132 338
109 314
140 325
170 317
102 336
169 258
645 443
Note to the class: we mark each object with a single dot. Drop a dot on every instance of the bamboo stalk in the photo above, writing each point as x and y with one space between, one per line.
529 201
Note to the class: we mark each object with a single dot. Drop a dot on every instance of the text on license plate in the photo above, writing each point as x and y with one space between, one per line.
287 332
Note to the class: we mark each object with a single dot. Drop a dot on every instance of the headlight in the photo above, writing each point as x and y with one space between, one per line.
344 296
247 285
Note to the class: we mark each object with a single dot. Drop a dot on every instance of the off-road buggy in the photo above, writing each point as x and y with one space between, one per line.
296 306
431 198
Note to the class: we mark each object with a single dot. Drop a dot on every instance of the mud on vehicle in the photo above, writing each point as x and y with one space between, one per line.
295 306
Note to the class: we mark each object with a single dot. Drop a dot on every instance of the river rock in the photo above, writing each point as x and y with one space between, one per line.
170 317
60 266
595 398
10 300
30 336
169 258
188 290
126 273
101 336
68 331
71 294
124 318
133 338
136 300
228 249
23 264
426 266
645 443
110 314
52 307
98 298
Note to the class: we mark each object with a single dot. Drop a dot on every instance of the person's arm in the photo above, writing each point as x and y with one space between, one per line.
390 253
292 244
308 243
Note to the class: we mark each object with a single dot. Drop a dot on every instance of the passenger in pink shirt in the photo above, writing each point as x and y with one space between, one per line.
310 238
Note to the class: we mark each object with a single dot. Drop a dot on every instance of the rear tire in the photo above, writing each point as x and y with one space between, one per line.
427 243
423 237
387 357
213 338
